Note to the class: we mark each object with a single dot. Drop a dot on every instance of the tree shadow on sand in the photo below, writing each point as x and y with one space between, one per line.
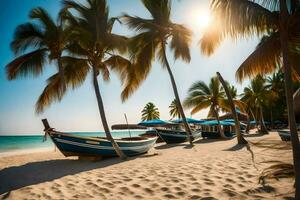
13 178
236 147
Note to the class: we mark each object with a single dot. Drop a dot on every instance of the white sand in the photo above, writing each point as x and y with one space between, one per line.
210 170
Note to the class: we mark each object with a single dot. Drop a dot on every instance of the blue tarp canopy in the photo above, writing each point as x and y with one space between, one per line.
189 120
154 122
255 122
215 123
229 120
278 122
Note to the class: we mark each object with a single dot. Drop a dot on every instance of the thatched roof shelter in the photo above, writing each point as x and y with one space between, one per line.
241 116
127 126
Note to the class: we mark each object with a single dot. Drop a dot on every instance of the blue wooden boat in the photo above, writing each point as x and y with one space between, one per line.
174 136
74 145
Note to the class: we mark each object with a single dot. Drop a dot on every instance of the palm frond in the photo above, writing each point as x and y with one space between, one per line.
212 37
265 59
277 171
237 19
43 16
160 10
30 64
52 92
75 71
139 24
181 39
120 65
26 36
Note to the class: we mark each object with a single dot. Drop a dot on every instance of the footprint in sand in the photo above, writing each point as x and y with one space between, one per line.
181 193
148 190
164 189
169 196
196 190
135 185
229 180
230 193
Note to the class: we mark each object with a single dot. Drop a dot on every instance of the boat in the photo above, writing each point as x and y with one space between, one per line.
284 135
175 136
75 145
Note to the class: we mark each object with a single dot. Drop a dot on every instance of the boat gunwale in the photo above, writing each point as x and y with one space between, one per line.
101 139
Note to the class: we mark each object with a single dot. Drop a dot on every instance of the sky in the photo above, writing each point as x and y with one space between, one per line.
78 109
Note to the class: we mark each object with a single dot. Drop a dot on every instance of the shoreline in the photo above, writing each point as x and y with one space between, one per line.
17 152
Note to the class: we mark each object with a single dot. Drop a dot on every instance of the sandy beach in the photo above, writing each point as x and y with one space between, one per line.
213 169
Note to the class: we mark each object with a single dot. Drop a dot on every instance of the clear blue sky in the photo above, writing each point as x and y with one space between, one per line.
78 110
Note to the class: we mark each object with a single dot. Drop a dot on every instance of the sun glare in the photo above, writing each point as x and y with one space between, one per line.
199 19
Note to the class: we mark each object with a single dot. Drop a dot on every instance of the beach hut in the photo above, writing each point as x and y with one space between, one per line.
153 123
210 130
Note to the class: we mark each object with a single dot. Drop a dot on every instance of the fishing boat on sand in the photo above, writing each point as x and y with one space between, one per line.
176 136
170 132
74 145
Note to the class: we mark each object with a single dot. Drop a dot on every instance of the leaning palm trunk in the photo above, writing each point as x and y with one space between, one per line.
263 127
289 95
240 138
103 117
186 125
222 134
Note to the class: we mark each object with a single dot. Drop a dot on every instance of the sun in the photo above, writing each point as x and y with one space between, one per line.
199 19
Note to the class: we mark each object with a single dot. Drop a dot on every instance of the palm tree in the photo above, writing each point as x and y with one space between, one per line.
93 46
36 44
150 112
257 95
210 96
278 23
174 111
151 41
231 93
275 84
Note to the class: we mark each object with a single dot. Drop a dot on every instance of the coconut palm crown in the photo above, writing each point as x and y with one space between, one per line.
257 94
212 96
174 112
153 37
150 112
37 43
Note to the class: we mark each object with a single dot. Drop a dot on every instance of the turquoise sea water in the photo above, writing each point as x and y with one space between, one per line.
13 143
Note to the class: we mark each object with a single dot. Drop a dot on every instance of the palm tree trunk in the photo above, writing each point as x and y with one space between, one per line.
239 136
289 94
61 72
222 134
103 117
179 105
271 118
263 127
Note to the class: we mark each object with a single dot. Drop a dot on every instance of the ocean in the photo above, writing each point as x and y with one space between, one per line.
26 142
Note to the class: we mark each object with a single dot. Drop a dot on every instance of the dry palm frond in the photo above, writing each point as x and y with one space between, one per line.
276 171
